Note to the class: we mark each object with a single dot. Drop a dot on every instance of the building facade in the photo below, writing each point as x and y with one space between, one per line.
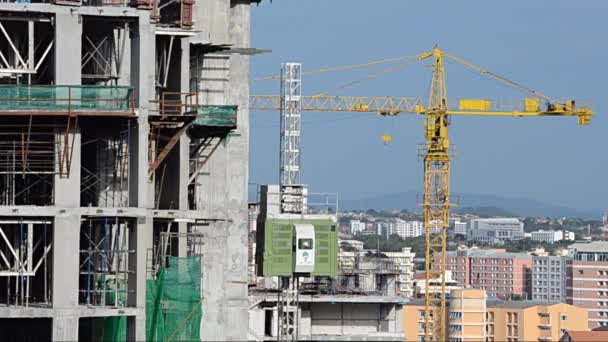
356 226
495 230
501 274
549 278
472 317
467 315
408 229
551 236
460 228
587 280
405 262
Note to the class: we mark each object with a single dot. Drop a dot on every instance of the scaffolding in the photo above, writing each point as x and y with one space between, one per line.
103 50
105 169
104 261
25 266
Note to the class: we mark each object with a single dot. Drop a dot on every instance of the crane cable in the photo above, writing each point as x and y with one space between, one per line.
340 68
369 77
500 78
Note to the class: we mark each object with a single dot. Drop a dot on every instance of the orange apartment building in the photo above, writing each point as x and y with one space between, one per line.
502 275
472 317
587 280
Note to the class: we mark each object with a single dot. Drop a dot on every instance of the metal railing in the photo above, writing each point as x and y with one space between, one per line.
66 98
175 103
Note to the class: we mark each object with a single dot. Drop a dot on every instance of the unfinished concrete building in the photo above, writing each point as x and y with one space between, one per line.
123 142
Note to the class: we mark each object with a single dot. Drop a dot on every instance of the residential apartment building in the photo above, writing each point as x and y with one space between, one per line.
495 230
408 229
473 317
460 228
356 226
514 321
587 280
405 262
459 263
501 274
384 229
549 278
435 284
551 236
467 315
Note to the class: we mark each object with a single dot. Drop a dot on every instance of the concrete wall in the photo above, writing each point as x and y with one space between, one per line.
222 186
353 318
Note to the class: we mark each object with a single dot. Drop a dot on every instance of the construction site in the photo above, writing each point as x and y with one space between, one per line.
122 181
125 207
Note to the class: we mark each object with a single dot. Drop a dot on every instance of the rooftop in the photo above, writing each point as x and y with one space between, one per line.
339 298
483 253
495 303
588 336
594 246
521 304
499 219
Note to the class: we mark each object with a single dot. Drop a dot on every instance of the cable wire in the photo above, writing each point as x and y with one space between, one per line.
341 68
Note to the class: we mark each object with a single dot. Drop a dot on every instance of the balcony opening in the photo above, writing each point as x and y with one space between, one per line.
99 329
26 329
27 48
105 163
27 267
105 50
106 261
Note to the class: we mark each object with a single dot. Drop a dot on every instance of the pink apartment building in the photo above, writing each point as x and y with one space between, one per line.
587 280
501 274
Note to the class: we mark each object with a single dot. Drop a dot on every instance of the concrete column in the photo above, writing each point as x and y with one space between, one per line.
141 192
68 44
143 45
66 256
65 328
237 176
141 241
184 167
67 188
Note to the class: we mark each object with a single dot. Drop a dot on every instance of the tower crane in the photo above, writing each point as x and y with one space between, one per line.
436 152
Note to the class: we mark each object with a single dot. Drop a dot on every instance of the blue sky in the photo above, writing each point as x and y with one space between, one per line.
556 47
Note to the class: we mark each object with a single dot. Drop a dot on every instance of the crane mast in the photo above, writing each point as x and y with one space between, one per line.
436 198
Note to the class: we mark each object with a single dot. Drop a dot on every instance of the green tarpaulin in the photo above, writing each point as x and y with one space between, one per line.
48 97
208 115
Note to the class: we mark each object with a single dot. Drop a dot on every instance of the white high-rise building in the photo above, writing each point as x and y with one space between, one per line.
459 227
408 229
356 226
405 263
551 235
495 230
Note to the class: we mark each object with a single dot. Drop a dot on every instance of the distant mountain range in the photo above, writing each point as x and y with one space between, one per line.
500 206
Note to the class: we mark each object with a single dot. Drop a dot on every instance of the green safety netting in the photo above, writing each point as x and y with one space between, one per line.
173 305
115 329
48 97
211 115
173 302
